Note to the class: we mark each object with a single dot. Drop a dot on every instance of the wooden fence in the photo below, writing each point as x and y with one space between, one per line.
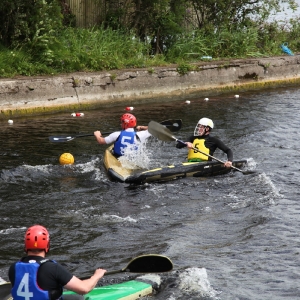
87 12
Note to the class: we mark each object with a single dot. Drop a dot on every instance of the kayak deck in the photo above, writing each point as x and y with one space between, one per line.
114 168
116 172
129 290
186 169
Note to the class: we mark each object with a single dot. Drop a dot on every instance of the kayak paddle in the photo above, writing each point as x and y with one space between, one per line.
148 263
173 125
164 134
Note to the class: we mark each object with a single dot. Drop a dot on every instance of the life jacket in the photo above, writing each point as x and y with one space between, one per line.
26 286
125 139
198 156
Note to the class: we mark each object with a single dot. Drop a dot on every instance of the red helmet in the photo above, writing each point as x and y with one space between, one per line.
37 237
128 121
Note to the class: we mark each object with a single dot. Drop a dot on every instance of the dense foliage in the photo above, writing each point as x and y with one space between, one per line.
40 37
31 25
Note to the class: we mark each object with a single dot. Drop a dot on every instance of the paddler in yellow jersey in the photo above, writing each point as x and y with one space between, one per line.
205 143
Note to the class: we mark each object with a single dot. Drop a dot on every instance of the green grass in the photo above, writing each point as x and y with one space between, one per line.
99 49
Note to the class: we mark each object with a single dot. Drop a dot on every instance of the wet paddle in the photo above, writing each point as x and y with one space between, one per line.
173 125
164 134
148 263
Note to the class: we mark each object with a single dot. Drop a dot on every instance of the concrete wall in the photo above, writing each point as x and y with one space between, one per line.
38 95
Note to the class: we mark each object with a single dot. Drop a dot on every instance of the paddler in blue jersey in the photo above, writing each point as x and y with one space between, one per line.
205 143
36 278
128 137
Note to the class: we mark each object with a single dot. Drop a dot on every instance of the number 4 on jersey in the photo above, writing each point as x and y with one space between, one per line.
23 288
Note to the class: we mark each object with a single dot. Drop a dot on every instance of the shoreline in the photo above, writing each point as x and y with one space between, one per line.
82 91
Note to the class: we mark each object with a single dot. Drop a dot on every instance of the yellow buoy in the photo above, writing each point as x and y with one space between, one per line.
66 159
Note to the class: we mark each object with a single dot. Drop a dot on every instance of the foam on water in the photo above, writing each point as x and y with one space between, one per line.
91 166
25 173
267 193
120 219
153 278
251 164
11 230
28 173
195 280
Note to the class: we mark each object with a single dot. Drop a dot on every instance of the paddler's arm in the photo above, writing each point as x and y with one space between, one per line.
188 144
100 139
228 163
226 150
140 128
84 286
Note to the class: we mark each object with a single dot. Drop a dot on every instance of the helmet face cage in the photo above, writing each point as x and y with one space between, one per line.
37 237
128 121
204 122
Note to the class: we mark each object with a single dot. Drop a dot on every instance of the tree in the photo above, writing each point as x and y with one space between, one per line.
158 21
30 24
229 14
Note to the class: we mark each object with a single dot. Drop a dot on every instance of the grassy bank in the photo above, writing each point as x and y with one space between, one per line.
98 49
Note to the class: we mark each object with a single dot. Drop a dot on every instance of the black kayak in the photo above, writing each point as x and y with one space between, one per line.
186 169
116 172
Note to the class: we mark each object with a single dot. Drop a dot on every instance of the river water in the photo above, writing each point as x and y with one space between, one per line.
233 236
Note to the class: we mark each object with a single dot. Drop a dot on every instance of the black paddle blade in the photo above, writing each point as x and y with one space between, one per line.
160 131
172 125
150 263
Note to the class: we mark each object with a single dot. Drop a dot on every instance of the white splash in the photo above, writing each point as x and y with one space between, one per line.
136 158
88 166
91 166
195 280
275 192
28 173
154 278
251 163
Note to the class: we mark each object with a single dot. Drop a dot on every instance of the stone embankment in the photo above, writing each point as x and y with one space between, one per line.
38 95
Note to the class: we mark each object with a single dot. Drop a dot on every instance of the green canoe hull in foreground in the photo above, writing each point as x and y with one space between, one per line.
129 290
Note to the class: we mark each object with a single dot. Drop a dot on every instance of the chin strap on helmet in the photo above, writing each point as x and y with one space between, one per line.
206 122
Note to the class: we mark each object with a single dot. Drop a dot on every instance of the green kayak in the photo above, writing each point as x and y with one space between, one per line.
129 290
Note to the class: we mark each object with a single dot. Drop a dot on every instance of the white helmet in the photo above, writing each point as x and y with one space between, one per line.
204 122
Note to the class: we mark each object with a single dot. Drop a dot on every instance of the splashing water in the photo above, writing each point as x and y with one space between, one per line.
136 158
195 280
